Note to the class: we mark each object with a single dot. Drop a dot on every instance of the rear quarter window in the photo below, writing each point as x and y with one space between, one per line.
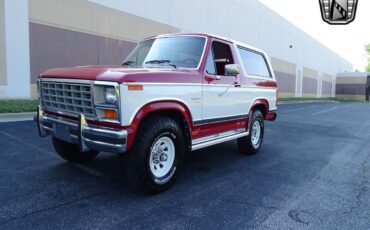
254 63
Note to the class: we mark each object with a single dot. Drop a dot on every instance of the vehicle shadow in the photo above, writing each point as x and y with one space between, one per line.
110 167
206 164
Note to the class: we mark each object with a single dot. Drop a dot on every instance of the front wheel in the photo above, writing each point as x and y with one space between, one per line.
252 143
154 161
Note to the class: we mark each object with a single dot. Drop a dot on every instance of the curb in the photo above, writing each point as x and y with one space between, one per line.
305 102
11 117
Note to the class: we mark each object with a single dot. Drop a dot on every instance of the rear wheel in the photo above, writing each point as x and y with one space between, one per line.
70 152
154 160
252 143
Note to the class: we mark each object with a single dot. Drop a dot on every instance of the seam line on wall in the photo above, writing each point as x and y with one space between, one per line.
82 30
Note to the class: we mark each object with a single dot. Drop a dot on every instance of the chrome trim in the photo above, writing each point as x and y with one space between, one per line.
94 106
196 145
103 146
106 106
88 110
216 136
88 137
219 119
161 83
66 80
195 84
62 121
39 116
82 124
107 132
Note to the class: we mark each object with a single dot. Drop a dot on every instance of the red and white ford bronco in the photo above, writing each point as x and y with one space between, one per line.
174 93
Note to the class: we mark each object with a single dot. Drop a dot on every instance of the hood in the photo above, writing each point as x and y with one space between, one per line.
118 74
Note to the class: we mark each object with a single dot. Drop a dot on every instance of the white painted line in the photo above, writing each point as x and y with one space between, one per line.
82 167
305 102
325 111
270 130
26 143
302 108
89 170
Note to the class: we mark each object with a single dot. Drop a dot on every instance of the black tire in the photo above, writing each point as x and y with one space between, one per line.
138 160
245 144
71 153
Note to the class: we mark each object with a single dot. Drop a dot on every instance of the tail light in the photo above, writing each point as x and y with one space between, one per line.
277 97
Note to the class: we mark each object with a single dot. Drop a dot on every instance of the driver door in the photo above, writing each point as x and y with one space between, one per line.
221 93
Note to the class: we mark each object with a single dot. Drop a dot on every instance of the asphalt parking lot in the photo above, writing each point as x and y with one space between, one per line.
311 173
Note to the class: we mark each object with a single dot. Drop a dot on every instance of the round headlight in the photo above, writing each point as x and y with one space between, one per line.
110 95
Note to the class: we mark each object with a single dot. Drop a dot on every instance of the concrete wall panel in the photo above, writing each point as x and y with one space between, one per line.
286 82
310 73
326 89
3 77
88 17
283 66
52 47
351 89
351 80
309 87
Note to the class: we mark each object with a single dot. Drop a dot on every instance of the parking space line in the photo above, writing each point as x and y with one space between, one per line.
302 108
82 167
24 142
325 111
270 130
88 170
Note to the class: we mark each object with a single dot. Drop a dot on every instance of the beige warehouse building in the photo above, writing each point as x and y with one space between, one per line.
41 34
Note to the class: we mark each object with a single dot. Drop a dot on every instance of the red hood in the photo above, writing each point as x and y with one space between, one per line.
122 74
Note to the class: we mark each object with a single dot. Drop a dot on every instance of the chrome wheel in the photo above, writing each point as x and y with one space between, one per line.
162 157
256 133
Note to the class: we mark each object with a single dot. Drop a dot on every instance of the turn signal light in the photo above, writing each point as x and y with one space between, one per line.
135 87
110 114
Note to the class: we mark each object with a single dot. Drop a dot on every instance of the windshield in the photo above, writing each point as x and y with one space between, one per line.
180 51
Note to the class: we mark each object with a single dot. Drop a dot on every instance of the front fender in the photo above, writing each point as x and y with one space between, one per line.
157 106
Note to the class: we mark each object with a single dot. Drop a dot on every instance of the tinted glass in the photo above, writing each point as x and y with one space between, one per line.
223 56
254 63
183 51
210 66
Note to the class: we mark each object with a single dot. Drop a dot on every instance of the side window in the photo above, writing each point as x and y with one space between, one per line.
222 56
254 63
210 66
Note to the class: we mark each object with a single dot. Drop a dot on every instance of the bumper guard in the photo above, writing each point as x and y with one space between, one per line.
87 137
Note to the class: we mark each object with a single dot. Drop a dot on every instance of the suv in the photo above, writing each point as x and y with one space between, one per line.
174 93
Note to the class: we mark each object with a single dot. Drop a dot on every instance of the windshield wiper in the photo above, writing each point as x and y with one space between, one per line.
129 63
161 62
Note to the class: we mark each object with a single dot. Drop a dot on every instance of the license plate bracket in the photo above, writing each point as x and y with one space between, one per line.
62 132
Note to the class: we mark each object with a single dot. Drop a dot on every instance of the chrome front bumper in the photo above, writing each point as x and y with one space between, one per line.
87 137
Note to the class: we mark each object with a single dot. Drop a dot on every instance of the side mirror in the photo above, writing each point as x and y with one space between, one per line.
232 69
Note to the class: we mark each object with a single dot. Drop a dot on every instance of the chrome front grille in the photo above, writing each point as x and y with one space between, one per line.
67 97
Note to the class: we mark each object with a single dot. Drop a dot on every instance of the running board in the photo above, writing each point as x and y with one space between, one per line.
216 139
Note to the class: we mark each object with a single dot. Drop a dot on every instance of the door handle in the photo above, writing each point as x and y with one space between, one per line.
212 78
237 84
